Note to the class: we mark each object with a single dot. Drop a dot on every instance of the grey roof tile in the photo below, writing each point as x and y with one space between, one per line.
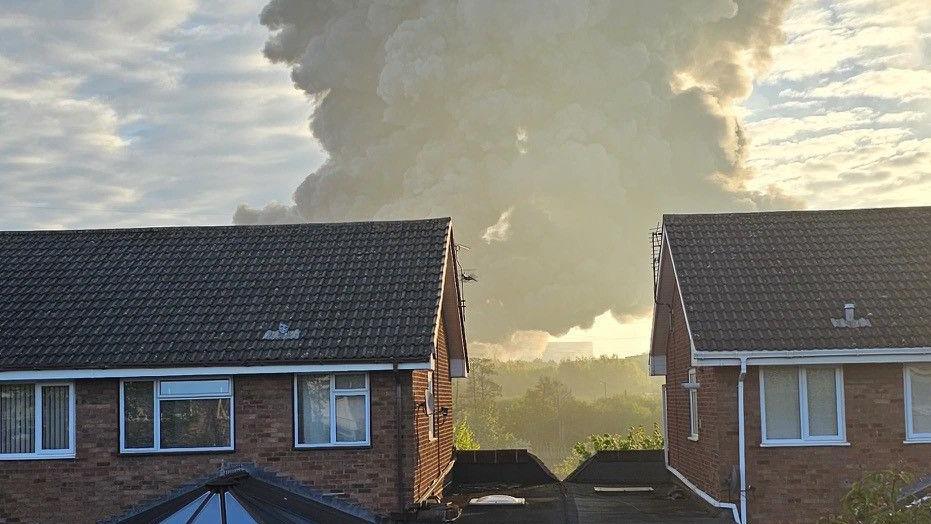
774 281
206 295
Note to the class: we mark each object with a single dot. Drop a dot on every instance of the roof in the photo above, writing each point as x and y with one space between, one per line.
227 295
575 500
780 280
245 494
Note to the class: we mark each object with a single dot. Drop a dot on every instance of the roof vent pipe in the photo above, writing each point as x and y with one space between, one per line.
849 312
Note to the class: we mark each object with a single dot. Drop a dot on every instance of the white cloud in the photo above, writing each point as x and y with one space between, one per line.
164 112
843 118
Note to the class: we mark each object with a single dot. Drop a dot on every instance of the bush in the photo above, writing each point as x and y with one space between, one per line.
876 499
464 437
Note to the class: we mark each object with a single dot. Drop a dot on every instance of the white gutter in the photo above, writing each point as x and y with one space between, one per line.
66 374
742 446
813 356
706 497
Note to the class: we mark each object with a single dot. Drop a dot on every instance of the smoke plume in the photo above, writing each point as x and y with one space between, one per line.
554 132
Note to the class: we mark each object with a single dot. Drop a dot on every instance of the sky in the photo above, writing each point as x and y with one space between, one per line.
118 114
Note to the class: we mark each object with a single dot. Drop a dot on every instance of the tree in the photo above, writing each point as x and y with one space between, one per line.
636 438
877 499
465 438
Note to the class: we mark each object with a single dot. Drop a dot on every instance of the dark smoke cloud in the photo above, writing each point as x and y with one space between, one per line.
554 132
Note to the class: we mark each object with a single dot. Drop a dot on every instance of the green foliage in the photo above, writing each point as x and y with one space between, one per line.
550 415
636 438
465 437
876 500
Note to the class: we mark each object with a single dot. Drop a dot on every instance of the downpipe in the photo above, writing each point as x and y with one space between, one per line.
742 447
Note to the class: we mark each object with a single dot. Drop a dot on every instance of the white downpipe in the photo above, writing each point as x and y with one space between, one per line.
742 447
704 496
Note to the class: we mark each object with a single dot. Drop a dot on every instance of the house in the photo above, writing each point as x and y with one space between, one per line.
311 362
796 348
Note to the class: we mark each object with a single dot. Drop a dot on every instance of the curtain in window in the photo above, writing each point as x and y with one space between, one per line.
781 400
921 398
822 402
55 414
17 418
313 409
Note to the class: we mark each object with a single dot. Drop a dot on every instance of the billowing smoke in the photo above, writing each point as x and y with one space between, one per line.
554 132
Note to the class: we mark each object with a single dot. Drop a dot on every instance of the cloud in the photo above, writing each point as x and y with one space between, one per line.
142 113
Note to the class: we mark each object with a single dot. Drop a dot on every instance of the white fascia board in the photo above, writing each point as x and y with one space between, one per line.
62 374
813 356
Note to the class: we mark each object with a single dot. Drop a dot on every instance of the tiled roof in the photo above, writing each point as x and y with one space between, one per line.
775 281
195 296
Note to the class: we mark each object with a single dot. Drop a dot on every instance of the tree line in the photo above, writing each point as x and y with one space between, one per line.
549 407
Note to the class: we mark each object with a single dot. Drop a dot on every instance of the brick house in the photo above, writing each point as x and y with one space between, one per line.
307 362
796 348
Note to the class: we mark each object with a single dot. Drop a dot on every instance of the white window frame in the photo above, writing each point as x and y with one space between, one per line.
49 454
911 437
806 439
333 443
430 395
694 419
157 414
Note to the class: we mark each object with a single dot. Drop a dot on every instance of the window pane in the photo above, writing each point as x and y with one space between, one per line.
350 418
693 412
313 409
183 388
56 412
921 399
17 418
138 414
354 381
235 512
202 423
211 513
183 515
781 397
822 402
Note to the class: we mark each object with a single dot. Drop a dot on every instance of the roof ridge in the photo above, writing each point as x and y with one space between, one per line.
801 211
161 229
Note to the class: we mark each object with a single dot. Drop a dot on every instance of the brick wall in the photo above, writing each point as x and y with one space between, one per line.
802 484
433 455
101 483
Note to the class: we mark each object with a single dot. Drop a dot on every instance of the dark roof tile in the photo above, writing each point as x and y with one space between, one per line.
207 295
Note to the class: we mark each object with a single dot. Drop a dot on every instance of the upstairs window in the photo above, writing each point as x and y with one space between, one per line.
802 405
37 420
331 410
176 415
918 403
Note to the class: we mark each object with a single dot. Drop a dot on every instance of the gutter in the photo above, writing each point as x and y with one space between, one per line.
813 356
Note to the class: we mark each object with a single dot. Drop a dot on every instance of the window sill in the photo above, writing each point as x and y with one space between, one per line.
804 444
917 440
693 438
181 451
33 456
332 447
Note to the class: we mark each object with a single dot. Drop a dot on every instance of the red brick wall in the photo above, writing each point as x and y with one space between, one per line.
433 455
802 484
101 483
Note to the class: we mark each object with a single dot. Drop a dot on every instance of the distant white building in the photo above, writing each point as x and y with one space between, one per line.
556 351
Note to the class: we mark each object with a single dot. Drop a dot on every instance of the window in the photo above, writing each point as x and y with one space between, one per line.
693 405
36 420
176 415
918 403
802 405
430 406
331 410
